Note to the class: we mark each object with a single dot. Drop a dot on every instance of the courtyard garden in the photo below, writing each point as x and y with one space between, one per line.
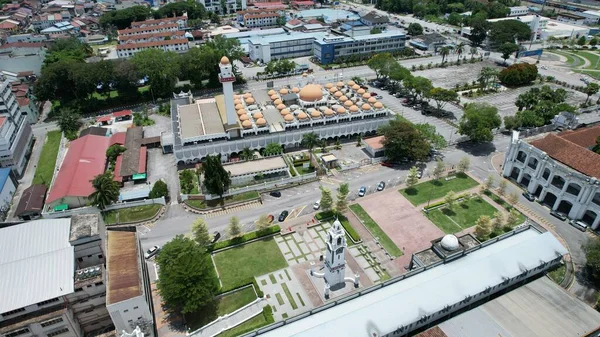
45 167
436 189
376 231
131 214
461 216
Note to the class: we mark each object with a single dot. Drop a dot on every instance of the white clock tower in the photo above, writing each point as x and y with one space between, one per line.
227 77
335 262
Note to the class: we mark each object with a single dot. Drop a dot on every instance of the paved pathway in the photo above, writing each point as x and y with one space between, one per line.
235 319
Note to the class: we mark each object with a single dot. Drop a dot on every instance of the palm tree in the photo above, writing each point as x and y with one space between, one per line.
460 48
473 52
247 154
106 190
487 74
444 52
310 140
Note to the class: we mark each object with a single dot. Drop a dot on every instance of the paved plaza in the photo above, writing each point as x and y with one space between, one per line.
307 246
284 293
450 76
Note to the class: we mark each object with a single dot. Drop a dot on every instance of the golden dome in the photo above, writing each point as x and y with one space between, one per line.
340 84
283 91
277 102
329 112
338 94
366 95
271 92
343 99
366 107
244 117
261 121
355 87
348 103
285 112
341 110
237 101
354 108
332 90
239 106
302 115
257 115
360 91
295 90
274 97
315 114
247 95
288 118
280 106
241 112
247 124
311 93
372 100
350 83
249 100
224 60
378 105
329 85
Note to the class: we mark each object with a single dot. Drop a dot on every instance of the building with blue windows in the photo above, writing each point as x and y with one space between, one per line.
332 47
282 46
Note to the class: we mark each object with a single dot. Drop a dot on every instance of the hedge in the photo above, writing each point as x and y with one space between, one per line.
326 215
268 312
244 238
259 293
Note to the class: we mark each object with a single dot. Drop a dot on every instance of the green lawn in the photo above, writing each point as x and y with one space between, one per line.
254 323
45 167
202 204
289 296
462 216
435 189
232 302
593 74
592 57
572 59
558 274
385 241
131 214
238 266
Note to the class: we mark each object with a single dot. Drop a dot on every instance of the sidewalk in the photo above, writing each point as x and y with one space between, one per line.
227 322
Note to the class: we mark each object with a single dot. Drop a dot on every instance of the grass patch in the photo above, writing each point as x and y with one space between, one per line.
300 299
385 240
435 189
462 216
263 282
592 57
279 299
593 74
131 214
244 238
330 215
232 302
558 274
572 59
45 167
239 265
202 204
254 323
284 315
289 296
273 279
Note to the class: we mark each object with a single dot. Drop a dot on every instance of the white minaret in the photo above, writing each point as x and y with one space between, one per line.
226 77
335 262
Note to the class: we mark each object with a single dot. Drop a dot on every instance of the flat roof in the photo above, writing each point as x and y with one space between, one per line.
132 156
265 40
540 308
249 33
123 275
199 119
407 300
375 142
338 38
255 166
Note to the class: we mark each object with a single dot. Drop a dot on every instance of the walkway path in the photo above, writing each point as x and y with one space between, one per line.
229 321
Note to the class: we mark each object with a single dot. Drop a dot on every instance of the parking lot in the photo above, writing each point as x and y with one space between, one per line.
449 77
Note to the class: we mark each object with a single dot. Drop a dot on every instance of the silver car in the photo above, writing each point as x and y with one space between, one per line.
151 252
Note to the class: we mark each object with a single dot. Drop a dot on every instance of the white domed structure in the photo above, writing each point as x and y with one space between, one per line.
311 93
378 105
288 118
450 242
224 60
261 122
257 115
246 124
302 115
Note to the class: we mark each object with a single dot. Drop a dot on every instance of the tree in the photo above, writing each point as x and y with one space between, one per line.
483 228
596 147
473 51
593 41
418 85
381 64
506 49
160 67
326 199
463 164
200 232
310 140
113 152
186 277
508 31
512 122
234 229
590 89
478 121
442 96
342 193
444 52
186 180
487 76
454 19
581 41
512 198
459 49
273 149
375 30
479 29
450 200
263 222
413 177
414 29
431 135
68 121
159 190
403 140
518 74
497 222
592 255
216 178
489 182
439 169
106 190
247 154
123 18
502 187
513 218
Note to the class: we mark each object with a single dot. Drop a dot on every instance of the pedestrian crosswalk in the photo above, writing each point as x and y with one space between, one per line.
233 209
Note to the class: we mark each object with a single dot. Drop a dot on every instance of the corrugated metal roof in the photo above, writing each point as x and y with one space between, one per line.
36 263
406 301
123 277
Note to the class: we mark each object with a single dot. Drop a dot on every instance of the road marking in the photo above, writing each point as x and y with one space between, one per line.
155 269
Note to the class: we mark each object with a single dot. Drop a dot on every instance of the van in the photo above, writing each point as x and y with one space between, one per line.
579 225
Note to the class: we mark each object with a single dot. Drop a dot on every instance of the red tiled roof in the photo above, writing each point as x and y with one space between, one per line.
433 332
103 119
117 176
122 113
269 5
375 142
142 163
117 138
571 154
150 35
305 3
2 120
152 44
136 24
144 29
8 25
197 33
23 101
22 45
85 159
585 137
294 22
260 16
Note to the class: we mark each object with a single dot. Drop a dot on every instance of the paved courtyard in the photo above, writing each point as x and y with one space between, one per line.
449 77
410 230
284 293
308 246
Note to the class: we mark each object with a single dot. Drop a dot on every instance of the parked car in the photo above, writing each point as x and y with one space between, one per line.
151 252
216 236
373 94
275 194
582 226
283 215
387 164
362 191
419 174
560 215
381 186
378 97
529 196
317 204
364 87
270 217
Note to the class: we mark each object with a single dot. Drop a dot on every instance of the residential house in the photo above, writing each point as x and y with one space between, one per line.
374 19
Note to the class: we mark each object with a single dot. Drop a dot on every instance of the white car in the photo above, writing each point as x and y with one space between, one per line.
151 252
317 205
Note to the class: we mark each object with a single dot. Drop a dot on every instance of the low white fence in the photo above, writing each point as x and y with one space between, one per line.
93 210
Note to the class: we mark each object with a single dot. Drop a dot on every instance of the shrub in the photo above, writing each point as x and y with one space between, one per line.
259 292
244 238
518 74
268 313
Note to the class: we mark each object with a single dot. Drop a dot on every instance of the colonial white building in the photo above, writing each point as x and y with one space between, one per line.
129 49
518 11
561 170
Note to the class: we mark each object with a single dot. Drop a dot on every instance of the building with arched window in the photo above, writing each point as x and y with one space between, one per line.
561 170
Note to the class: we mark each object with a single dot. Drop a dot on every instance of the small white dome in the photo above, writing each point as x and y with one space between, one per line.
449 242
